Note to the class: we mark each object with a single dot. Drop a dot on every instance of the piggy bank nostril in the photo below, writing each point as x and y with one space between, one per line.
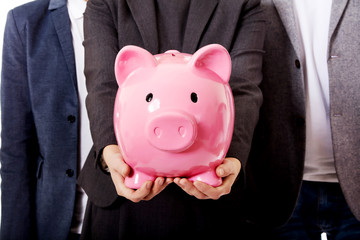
157 132
182 131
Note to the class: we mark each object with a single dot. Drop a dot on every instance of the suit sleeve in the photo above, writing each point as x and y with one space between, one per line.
246 76
18 139
101 48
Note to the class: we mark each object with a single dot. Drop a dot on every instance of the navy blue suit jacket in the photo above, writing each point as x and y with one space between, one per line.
40 115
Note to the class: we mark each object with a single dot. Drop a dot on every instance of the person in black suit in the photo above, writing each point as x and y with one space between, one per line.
117 212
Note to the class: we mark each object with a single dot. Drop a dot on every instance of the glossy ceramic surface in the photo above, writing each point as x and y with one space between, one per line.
174 113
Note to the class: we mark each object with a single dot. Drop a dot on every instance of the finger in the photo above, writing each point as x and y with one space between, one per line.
228 182
169 180
217 192
120 167
124 169
128 193
119 184
209 191
114 160
228 167
141 193
189 188
160 184
228 170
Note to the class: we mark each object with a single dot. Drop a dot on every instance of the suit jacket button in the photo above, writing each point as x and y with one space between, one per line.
297 63
69 172
71 118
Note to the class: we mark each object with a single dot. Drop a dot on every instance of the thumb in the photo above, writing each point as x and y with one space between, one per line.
228 167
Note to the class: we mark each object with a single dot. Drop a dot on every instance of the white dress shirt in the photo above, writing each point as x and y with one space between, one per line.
313 21
76 9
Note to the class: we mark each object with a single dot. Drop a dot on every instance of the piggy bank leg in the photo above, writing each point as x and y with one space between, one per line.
208 177
137 178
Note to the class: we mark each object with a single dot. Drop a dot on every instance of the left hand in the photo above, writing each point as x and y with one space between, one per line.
119 170
228 170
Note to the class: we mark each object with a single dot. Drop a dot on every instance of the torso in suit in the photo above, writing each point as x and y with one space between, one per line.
275 168
110 25
39 123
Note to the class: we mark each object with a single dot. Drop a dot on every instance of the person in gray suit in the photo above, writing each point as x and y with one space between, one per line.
303 173
117 212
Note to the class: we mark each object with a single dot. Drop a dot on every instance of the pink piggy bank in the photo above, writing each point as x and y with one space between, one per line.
174 113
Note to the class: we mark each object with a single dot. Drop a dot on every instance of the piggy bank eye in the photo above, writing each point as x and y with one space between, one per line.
149 97
194 97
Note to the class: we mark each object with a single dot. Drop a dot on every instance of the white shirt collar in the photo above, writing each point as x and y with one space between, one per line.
77 8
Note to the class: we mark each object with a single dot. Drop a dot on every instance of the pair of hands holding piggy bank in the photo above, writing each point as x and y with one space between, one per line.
173 120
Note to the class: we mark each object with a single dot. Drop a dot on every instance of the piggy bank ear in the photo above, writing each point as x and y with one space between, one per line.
131 58
215 58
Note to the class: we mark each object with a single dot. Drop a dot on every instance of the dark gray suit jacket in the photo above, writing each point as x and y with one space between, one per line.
238 25
275 167
39 108
110 25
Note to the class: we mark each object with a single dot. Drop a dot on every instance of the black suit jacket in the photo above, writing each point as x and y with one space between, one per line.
109 25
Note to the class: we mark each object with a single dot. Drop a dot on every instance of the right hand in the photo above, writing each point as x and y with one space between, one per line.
119 170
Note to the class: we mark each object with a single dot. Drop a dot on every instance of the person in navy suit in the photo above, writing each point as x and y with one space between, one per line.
44 130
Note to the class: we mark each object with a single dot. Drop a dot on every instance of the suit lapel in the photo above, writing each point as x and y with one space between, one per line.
200 12
337 10
285 10
61 21
144 13
286 13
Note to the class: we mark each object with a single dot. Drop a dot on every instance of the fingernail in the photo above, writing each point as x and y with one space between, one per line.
160 181
221 172
182 182
148 185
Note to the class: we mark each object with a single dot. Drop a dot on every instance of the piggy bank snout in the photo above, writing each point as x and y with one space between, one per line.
171 131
